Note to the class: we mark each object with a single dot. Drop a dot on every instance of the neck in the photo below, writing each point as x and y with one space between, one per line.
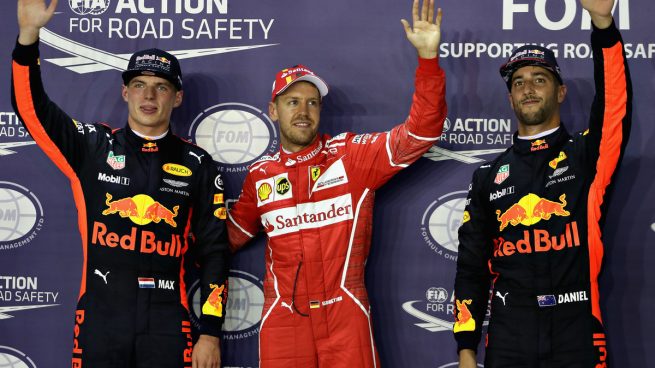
146 131
293 148
532 130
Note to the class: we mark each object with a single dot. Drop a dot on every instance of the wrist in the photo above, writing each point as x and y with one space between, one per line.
425 54
209 339
602 21
28 36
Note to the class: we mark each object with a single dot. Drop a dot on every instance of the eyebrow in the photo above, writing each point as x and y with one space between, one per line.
165 83
535 74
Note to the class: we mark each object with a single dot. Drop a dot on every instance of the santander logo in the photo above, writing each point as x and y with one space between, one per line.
308 215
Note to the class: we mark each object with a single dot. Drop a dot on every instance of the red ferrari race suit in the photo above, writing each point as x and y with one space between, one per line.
316 207
138 200
532 228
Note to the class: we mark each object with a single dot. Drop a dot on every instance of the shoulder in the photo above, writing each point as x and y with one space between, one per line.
264 162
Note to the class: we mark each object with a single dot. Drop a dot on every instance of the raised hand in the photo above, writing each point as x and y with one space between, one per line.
32 15
425 33
600 11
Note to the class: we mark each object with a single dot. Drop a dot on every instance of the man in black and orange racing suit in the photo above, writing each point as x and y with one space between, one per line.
314 199
532 224
140 192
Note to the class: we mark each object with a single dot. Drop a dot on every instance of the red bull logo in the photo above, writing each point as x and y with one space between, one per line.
531 209
538 145
537 241
146 241
141 209
464 320
77 349
149 147
158 212
214 304
125 207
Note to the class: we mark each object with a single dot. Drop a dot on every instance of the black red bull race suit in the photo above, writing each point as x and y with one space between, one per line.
138 200
532 228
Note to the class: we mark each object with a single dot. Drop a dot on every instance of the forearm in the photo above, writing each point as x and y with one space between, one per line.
428 110
467 358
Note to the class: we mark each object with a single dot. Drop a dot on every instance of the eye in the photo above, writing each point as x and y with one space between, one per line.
540 80
518 83
293 102
162 88
137 85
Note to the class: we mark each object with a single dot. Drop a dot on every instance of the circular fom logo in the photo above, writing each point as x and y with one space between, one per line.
89 7
21 215
440 223
244 305
234 134
12 358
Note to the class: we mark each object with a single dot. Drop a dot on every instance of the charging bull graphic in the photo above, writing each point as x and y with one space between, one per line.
465 321
531 209
214 304
157 212
141 209
125 207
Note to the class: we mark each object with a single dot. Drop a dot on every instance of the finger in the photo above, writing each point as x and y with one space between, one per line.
431 12
405 23
52 6
415 11
424 10
439 18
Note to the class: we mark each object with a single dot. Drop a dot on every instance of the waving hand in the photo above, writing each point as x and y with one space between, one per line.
425 33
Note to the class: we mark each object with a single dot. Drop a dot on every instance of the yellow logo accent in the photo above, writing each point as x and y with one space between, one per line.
214 304
221 213
315 172
466 217
264 191
553 163
585 132
465 321
176 169
218 198
282 185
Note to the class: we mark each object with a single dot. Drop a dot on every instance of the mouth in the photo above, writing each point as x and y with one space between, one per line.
530 102
146 109
303 124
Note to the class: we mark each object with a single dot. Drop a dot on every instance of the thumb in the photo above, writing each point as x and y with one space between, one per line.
52 6
405 23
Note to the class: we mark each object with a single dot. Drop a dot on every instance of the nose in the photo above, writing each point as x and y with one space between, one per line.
529 86
303 108
149 92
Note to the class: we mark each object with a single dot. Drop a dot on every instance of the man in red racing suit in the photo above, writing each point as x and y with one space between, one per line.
532 224
315 204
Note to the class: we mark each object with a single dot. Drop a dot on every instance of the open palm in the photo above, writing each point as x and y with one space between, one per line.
35 13
598 7
425 32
